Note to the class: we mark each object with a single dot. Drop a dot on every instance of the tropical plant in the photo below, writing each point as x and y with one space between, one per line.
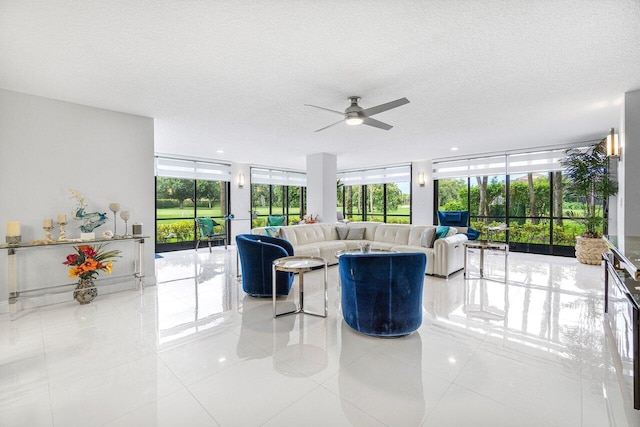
589 181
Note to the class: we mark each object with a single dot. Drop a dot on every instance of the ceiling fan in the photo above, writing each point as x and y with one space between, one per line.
356 115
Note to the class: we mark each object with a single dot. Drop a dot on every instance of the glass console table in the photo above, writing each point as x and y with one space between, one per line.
23 250
622 306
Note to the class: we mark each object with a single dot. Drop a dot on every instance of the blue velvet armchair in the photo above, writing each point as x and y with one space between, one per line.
458 219
382 293
257 254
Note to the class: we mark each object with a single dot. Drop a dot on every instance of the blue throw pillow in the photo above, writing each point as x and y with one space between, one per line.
441 232
472 233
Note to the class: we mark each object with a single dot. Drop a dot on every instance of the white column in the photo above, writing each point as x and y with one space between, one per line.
322 173
422 195
240 200
628 173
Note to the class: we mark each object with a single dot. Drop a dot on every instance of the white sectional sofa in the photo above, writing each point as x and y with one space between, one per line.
323 240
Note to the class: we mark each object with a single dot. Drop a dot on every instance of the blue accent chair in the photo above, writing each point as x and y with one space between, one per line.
458 219
382 293
257 254
454 218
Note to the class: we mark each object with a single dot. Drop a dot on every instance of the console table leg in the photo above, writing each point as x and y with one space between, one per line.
139 267
13 283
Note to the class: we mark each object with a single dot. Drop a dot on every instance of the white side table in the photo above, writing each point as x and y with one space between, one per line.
300 265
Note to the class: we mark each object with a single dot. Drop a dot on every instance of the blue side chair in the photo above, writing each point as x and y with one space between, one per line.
458 219
382 293
257 254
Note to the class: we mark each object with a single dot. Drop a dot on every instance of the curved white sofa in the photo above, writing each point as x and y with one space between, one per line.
446 256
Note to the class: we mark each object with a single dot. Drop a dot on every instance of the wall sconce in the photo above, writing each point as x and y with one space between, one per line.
421 180
240 180
613 145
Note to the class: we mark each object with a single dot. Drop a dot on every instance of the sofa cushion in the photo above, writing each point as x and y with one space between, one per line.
356 233
308 233
343 231
392 233
428 236
369 228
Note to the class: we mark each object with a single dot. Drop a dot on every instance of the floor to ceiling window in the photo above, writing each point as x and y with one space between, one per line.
277 193
186 190
524 192
382 195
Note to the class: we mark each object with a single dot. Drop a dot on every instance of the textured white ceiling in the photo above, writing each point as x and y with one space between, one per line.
484 76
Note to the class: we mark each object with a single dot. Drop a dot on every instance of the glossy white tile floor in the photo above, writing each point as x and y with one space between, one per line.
195 351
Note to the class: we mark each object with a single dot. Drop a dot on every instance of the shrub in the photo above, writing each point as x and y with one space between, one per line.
167 203
162 232
183 230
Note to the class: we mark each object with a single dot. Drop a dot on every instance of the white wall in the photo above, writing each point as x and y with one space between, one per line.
48 147
240 201
422 197
628 171
322 175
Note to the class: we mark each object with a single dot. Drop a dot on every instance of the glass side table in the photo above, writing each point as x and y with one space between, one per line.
483 246
300 265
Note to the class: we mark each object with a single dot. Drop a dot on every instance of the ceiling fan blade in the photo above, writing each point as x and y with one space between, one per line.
384 107
332 124
326 109
375 123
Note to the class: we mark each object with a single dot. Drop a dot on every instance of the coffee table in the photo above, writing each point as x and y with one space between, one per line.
484 245
341 252
300 265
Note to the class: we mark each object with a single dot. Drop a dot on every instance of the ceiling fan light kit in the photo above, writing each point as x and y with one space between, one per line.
356 115
353 119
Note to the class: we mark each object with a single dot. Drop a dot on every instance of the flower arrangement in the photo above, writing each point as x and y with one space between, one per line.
309 219
88 261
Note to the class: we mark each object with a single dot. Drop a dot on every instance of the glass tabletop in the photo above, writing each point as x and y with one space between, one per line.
627 248
361 252
484 244
299 263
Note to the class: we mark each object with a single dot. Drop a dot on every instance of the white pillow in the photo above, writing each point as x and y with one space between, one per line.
428 235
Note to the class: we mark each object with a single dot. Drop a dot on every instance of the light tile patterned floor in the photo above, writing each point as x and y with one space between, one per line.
195 351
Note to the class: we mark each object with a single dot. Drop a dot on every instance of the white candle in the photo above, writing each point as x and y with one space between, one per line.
13 228
62 219
48 223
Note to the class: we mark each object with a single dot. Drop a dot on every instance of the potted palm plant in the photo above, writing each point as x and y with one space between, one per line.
588 172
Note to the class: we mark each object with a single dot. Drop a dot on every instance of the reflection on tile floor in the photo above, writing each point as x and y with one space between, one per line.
195 351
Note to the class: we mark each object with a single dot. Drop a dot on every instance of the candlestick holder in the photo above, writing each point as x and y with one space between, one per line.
114 207
63 231
13 240
125 215
47 234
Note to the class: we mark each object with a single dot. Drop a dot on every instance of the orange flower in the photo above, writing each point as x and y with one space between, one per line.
89 265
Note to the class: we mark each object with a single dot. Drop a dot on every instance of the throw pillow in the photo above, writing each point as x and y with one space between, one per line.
342 232
427 238
272 232
355 233
275 220
441 232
